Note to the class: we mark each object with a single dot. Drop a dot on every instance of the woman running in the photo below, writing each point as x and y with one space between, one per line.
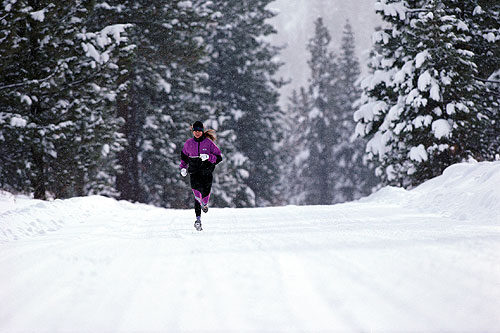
199 157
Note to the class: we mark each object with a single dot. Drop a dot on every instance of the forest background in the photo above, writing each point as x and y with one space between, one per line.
98 97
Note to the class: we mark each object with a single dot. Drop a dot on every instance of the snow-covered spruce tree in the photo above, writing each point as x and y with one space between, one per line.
293 148
321 130
164 79
482 22
229 187
351 178
56 127
241 69
178 98
421 105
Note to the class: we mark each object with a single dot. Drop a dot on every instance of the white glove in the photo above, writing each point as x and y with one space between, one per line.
204 157
184 172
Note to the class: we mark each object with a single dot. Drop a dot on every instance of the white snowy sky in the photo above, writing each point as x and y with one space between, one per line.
295 25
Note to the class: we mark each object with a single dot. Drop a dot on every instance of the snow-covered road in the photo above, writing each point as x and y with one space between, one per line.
98 265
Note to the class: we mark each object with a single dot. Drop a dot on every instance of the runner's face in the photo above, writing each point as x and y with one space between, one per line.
197 134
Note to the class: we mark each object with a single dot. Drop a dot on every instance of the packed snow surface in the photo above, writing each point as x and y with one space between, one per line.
421 260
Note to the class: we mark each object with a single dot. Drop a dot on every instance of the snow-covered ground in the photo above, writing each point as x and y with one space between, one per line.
420 260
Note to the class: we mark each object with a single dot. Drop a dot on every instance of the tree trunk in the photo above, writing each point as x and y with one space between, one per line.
39 181
127 182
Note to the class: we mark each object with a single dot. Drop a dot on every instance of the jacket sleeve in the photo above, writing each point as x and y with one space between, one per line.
184 158
215 154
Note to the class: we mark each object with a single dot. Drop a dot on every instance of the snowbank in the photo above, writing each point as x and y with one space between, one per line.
465 191
22 217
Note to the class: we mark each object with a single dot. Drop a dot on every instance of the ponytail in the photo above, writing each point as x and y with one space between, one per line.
210 133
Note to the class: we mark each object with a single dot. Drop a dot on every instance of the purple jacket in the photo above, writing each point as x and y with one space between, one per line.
190 155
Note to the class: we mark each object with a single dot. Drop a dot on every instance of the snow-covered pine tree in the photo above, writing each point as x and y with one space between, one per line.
351 177
164 79
55 123
421 105
293 148
321 135
482 22
178 98
241 84
229 187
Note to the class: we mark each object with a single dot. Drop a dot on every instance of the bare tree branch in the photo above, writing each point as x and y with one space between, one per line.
14 85
485 80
